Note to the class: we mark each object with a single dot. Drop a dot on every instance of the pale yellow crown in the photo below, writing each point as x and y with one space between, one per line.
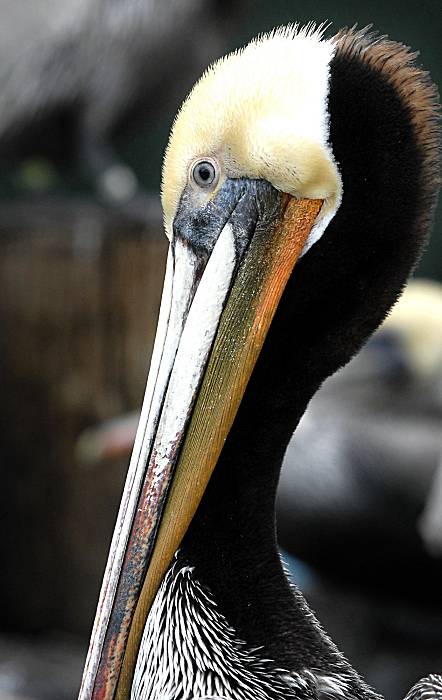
262 113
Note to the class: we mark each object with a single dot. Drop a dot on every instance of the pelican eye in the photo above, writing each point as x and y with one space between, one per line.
204 173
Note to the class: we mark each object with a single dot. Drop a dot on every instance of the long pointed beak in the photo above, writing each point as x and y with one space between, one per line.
227 267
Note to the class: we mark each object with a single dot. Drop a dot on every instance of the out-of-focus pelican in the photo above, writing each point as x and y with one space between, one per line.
362 466
298 185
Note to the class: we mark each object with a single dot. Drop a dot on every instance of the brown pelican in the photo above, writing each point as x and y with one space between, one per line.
298 185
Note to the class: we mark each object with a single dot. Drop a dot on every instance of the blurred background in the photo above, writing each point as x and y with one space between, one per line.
88 91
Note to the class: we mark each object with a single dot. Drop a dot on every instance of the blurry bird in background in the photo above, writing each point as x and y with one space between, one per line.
366 453
72 72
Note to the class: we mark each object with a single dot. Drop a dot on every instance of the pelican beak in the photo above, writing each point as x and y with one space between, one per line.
227 267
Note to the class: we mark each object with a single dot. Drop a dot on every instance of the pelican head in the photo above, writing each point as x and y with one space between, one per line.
258 114
280 182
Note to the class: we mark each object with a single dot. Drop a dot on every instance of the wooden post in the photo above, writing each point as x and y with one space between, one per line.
79 296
